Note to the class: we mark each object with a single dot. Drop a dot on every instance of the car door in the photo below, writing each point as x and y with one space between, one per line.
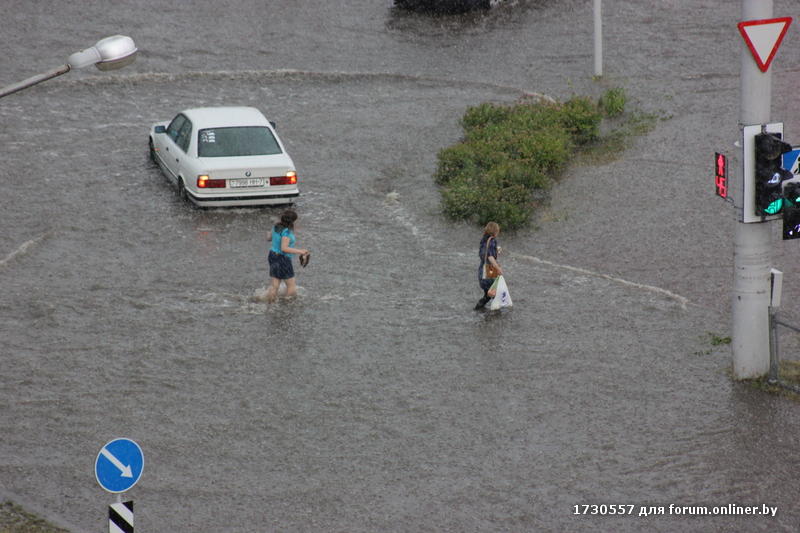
170 155
182 142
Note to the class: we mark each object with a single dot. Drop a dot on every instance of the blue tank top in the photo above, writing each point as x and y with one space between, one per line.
276 239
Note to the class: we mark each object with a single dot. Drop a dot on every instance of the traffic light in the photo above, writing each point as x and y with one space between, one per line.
769 175
791 211
721 174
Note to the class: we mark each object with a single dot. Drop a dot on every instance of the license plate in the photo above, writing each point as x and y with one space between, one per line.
247 182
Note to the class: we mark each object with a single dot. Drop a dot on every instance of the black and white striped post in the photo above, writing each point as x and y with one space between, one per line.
120 517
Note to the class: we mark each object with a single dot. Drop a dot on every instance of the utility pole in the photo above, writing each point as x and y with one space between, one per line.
752 243
598 38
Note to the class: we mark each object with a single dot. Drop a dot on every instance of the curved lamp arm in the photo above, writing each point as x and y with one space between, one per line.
33 80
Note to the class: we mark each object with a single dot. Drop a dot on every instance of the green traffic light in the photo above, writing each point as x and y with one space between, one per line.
774 207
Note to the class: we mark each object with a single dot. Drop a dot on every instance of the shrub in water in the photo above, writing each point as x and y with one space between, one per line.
484 114
507 152
582 119
509 204
519 172
613 102
454 161
461 198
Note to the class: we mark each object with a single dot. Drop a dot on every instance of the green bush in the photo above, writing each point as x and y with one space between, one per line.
612 102
519 172
462 198
546 149
483 115
582 119
454 161
469 158
509 204
507 153
486 200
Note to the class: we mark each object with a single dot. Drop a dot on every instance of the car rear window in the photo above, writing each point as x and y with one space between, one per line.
238 141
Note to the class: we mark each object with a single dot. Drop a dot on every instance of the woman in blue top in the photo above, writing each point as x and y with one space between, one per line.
280 256
487 251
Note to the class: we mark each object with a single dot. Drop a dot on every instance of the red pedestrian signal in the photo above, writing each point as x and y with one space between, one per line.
721 174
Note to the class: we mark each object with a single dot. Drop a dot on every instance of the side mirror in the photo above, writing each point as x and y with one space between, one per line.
160 129
274 126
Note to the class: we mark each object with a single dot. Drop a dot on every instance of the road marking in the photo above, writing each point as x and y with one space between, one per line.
22 248
677 297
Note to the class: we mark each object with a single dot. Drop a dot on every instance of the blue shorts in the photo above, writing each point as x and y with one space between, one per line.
280 266
485 284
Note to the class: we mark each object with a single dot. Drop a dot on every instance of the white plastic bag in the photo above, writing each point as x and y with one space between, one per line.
502 297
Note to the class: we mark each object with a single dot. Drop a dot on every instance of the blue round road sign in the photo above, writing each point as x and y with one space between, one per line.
119 465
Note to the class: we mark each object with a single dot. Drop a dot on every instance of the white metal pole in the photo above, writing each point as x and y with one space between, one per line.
752 243
598 38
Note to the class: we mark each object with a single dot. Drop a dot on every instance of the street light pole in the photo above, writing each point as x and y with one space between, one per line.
598 38
33 80
752 242
107 54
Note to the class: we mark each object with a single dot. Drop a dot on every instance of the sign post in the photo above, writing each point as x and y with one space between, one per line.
117 468
120 517
752 242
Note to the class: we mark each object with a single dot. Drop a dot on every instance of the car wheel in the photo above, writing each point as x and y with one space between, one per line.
181 190
152 151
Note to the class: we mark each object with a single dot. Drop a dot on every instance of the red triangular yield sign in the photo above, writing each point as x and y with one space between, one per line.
763 37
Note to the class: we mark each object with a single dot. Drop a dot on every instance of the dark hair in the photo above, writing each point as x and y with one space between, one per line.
287 220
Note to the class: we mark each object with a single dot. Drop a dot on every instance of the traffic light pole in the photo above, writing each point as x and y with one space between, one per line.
752 243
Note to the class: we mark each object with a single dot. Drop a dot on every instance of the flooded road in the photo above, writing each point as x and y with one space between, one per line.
378 400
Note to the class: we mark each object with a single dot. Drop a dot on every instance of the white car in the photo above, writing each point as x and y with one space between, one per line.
224 156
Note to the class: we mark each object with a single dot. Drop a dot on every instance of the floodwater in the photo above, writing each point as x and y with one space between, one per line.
378 400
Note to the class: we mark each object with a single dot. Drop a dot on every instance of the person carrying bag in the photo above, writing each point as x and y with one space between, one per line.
489 268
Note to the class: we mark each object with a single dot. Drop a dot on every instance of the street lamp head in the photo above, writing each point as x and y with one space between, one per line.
110 53
117 52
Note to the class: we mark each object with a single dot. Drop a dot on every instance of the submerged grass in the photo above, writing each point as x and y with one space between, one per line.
510 154
788 384
610 146
14 519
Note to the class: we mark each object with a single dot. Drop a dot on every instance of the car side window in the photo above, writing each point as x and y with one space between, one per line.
175 127
184 136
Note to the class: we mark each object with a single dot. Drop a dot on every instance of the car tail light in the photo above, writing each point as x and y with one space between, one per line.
204 182
289 179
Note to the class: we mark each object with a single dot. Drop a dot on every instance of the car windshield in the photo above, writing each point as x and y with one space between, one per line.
238 141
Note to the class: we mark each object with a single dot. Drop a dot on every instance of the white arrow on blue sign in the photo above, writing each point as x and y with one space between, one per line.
790 161
119 465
